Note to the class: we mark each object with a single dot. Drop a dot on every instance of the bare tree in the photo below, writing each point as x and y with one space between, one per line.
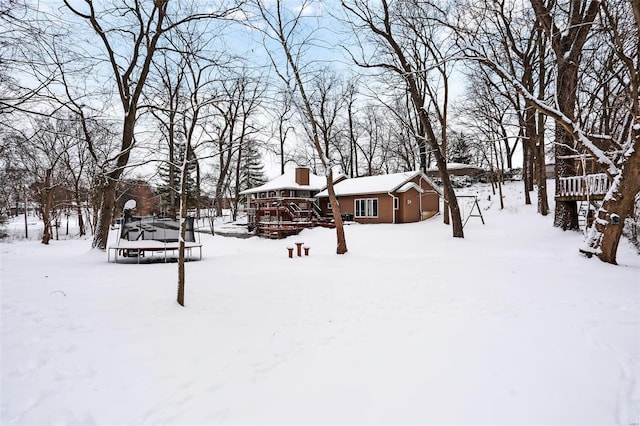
130 35
351 166
606 230
238 100
250 98
285 28
193 110
390 54
621 164
567 44
513 37
281 110
78 162
40 151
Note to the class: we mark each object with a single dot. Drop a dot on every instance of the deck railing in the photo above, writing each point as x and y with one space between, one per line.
580 186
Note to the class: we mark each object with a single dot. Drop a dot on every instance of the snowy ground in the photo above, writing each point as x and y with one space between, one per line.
507 326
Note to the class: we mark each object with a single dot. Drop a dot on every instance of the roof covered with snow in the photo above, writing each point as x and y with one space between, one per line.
376 184
456 166
288 181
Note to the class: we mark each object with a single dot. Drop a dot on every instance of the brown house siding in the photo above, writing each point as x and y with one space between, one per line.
430 202
411 204
385 207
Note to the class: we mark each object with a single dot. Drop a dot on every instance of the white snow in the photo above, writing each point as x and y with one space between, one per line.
288 181
509 325
456 166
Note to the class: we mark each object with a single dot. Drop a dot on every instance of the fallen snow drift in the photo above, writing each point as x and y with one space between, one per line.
509 325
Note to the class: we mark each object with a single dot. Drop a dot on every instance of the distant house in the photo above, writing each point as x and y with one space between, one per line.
550 170
140 191
458 169
395 198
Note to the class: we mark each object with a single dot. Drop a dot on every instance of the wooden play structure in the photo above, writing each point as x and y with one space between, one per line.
587 187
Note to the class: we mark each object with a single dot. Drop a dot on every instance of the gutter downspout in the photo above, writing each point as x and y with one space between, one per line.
393 205
420 196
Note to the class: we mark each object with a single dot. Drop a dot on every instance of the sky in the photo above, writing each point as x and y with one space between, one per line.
327 50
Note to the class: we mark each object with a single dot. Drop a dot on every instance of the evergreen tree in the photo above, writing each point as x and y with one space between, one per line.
252 173
171 184
458 149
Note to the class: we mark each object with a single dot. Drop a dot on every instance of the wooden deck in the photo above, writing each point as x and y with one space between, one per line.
280 217
581 188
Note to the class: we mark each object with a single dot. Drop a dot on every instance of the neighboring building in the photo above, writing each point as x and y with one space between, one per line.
140 191
395 198
459 169
286 205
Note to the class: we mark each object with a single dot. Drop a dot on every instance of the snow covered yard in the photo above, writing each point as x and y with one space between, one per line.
507 326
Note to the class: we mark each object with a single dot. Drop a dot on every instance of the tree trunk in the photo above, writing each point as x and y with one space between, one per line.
323 155
109 190
183 232
172 167
604 234
449 194
81 226
337 217
527 172
237 189
352 141
46 207
78 198
105 215
543 199
26 210
566 215
567 46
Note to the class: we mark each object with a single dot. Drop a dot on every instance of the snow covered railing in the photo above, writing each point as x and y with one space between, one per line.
580 186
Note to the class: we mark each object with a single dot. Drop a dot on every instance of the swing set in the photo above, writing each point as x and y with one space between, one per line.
474 211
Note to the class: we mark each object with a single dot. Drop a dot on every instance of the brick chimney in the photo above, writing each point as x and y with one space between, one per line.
302 176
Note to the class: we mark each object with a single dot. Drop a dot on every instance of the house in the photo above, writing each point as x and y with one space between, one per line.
550 170
287 204
138 190
459 169
395 198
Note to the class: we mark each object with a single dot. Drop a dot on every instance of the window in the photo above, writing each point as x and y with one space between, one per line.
396 203
366 207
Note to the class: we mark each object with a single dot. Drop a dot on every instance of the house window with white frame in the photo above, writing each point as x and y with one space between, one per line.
366 207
